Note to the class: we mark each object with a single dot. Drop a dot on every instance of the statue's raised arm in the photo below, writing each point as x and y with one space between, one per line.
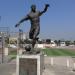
45 9
22 20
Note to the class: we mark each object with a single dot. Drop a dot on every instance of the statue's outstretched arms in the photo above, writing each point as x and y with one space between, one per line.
22 20
45 9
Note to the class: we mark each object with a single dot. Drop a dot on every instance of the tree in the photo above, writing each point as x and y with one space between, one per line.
48 41
59 41
74 42
7 40
56 42
27 41
67 42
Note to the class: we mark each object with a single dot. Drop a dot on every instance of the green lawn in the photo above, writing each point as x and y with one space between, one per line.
50 52
13 54
59 52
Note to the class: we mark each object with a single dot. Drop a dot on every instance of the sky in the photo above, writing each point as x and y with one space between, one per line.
57 23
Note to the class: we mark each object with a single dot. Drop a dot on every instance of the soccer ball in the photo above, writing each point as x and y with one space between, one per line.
28 48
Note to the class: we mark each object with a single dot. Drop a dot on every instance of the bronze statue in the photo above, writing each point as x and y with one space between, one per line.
34 17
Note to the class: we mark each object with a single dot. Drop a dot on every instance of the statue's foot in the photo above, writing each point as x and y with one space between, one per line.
32 50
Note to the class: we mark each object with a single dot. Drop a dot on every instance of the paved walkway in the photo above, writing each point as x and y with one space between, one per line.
10 69
57 70
7 69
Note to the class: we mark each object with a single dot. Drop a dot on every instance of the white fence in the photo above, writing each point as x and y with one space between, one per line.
60 61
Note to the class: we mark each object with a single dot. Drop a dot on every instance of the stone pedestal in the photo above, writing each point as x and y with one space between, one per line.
30 64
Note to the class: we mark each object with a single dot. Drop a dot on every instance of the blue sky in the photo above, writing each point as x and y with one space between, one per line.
57 23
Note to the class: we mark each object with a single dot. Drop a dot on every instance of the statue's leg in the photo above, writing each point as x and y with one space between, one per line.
31 35
33 43
36 32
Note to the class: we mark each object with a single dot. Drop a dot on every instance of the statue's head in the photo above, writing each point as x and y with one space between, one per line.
33 7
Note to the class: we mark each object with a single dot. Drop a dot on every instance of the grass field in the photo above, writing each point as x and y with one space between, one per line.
13 53
59 52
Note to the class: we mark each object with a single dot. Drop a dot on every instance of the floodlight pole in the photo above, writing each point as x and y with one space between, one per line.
0 18
2 47
20 37
2 50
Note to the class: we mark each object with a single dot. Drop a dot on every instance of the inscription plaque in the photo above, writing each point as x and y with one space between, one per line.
28 66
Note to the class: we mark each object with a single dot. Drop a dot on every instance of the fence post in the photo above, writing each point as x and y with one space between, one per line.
52 61
68 63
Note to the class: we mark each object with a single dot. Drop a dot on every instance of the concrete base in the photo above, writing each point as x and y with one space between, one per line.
30 64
